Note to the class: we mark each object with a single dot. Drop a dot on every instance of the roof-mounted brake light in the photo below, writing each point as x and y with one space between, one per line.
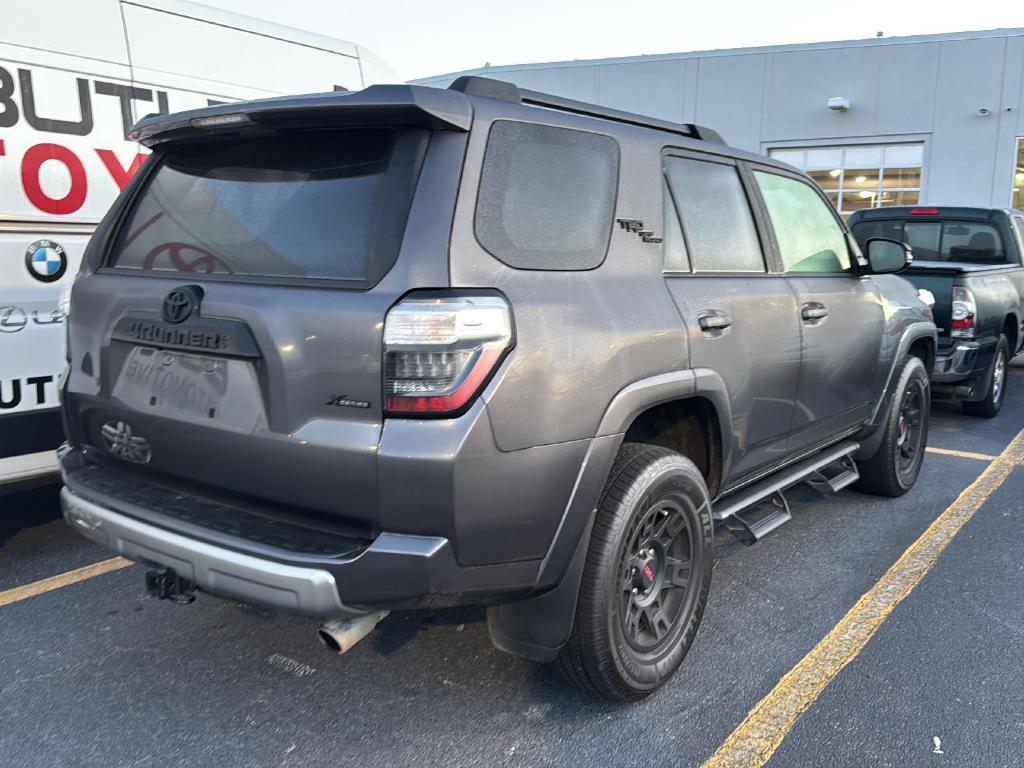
924 211
218 121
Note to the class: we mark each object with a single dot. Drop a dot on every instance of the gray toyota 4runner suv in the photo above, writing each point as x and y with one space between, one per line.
342 354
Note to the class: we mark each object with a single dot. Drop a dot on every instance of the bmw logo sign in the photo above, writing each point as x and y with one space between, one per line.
46 261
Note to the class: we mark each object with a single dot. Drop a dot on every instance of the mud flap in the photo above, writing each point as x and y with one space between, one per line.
538 627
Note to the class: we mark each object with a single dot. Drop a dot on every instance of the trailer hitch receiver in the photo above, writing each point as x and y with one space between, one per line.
165 584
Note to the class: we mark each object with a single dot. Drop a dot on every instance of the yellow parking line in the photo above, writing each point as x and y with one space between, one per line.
960 454
17 594
753 743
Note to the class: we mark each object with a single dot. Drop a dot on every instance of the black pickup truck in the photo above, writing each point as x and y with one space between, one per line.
970 260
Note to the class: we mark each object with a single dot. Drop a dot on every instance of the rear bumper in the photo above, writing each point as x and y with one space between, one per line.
958 361
219 571
226 554
961 369
30 467
28 444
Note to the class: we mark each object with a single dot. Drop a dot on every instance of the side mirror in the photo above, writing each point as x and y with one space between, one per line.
886 257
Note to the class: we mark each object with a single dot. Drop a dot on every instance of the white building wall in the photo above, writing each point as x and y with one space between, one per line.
927 89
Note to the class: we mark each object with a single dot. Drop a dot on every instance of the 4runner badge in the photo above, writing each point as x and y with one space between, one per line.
637 226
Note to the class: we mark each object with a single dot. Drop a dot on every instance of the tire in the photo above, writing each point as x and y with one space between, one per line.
894 468
996 394
625 644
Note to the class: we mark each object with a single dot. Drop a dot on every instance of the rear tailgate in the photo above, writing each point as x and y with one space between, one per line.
233 337
939 279
260 425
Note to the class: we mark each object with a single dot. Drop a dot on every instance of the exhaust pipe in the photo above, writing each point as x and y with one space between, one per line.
340 635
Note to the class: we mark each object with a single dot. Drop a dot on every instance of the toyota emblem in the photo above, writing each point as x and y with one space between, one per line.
181 303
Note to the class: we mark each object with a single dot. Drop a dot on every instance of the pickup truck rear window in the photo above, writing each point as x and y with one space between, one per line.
316 204
968 242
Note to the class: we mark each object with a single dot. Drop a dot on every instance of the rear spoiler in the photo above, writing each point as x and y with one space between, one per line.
413 105
377 105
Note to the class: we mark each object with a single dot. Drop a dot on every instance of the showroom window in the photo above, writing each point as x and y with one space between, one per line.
862 176
1018 177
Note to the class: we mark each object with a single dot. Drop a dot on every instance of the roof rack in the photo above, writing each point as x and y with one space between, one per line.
473 85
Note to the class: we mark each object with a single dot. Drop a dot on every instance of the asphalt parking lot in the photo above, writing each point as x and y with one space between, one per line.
98 674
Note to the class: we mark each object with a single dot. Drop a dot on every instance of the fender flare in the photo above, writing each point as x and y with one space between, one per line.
538 627
870 438
920 330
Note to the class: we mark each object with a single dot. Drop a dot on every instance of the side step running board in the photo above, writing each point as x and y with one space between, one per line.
827 472
834 477
750 530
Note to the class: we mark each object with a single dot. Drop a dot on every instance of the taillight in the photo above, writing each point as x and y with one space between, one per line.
440 351
964 311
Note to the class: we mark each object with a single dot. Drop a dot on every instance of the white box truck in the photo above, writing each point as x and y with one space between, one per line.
74 76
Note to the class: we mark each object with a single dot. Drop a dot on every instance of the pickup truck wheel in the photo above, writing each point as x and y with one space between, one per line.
894 468
646 577
993 401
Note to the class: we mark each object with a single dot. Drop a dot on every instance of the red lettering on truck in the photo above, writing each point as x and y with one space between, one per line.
30 168
118 173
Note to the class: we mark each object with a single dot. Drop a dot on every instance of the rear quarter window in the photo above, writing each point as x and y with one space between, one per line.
547 196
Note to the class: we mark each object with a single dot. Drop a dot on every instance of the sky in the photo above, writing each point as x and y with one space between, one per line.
419 38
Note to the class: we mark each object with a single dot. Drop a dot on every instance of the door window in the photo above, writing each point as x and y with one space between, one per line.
717 224
809 236
677 259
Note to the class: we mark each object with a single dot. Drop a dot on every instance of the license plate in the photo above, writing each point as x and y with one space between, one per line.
191 388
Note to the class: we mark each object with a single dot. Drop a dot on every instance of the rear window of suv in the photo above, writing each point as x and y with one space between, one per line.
319 204
971 242
547 196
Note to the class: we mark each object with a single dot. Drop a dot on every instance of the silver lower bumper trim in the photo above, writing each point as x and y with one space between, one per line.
219 571
959 360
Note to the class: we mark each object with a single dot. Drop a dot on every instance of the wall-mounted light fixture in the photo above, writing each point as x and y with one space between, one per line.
839 104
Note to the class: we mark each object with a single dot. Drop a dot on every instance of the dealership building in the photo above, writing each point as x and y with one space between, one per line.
931 119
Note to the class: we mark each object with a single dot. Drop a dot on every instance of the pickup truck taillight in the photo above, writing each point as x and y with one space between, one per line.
439 351
964 311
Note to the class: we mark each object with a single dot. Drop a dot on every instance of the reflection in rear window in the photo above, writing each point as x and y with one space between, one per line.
299 205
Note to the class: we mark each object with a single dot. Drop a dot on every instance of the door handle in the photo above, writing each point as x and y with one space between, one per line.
714 322
813 311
